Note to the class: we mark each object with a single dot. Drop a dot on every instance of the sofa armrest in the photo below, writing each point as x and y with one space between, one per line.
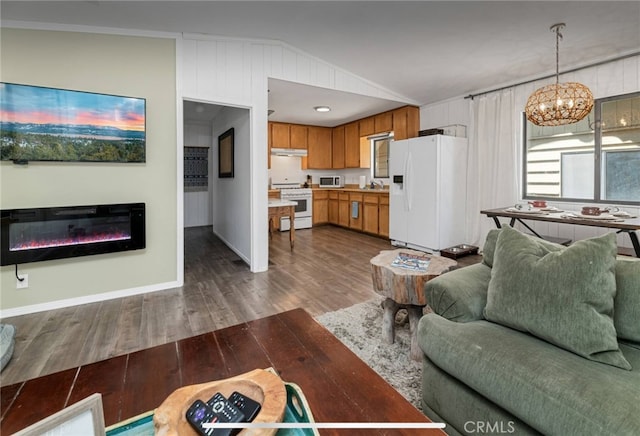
460 295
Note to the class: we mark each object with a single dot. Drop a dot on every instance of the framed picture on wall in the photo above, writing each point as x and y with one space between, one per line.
225 154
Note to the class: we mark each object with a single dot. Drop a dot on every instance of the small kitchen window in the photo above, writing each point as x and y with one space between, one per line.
380 156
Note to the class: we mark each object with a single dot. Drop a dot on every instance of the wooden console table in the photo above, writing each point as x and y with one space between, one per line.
629 225
283 208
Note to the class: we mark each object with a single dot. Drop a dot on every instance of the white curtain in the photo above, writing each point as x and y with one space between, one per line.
494 160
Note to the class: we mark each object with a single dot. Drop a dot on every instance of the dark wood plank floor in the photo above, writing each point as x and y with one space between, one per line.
328 270
339 387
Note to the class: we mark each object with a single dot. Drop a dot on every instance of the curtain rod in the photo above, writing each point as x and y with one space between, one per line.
472 96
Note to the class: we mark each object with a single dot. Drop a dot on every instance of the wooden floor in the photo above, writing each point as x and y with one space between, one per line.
328 270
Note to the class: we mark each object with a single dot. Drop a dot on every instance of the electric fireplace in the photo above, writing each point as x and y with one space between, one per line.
34 235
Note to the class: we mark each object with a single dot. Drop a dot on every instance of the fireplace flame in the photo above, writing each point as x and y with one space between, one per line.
76 240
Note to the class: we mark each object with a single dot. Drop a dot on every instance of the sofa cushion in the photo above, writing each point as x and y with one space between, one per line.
551 389
626 305
564 297
461 294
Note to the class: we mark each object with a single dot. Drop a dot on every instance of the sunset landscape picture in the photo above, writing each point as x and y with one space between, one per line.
47 124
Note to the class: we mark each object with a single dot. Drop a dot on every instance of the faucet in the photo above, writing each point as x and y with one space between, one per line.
379 183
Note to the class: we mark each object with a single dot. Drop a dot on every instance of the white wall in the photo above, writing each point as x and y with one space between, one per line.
197 204
231 197
614 78
233 72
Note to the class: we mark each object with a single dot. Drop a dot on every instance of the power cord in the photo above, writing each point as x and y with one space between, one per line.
20 279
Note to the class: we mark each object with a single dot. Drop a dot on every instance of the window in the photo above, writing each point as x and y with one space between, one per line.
596 159
380 156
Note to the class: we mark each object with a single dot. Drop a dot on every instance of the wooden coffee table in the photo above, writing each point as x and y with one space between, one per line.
338 386
404 289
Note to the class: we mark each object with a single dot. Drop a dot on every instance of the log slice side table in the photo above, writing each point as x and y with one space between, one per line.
404 289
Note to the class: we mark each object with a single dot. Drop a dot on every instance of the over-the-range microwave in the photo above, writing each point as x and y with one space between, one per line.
331 182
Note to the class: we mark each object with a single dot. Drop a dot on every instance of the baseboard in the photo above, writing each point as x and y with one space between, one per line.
95 298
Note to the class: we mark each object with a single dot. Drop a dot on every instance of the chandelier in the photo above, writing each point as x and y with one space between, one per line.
560 103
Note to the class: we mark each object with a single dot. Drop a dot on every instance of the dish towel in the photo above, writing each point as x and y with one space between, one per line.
354 209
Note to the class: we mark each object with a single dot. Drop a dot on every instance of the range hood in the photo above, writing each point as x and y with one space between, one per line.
289 152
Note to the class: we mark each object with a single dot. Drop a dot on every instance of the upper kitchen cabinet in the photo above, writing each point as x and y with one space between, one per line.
280 135
367 126
285 135
406 122
337 147
319 146
383 122
298 136
352 145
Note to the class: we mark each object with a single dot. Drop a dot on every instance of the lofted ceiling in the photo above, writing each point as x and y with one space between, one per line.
428 51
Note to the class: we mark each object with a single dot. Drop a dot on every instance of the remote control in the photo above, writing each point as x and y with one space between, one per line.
246 405
198 414
225 412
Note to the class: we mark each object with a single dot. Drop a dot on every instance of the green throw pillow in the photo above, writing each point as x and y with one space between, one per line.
564 297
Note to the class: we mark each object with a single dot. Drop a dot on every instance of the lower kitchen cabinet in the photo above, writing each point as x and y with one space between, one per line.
362 211
344 209
355 211
334 208
320 207
383 216
370 214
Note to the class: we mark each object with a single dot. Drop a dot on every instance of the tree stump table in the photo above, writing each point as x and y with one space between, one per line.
404 289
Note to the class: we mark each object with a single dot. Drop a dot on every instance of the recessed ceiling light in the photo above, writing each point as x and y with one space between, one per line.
322 108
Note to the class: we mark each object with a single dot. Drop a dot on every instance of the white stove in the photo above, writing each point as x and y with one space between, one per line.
303 211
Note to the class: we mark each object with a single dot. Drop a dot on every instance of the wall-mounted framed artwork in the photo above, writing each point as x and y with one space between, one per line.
50 124
225 154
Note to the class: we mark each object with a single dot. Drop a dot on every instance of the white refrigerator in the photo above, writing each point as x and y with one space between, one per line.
427 195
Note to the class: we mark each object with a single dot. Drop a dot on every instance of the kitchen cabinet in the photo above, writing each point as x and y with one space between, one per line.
383 122
355 211
370 213
367 126
406 122
320 207
337 147
352 145
298 136
383 216
280 135
319 148
344 209
333 207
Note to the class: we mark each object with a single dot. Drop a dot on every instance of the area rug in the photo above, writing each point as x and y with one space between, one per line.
359 327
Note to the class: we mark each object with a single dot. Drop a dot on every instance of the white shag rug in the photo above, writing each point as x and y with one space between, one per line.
359 327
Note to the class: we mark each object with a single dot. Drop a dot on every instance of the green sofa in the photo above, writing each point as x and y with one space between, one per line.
564 361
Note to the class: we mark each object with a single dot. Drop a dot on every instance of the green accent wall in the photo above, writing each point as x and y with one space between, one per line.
111 64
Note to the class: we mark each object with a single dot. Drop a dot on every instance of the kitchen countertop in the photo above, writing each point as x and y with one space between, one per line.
275 202
348 189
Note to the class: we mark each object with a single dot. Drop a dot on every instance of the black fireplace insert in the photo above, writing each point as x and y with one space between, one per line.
34 235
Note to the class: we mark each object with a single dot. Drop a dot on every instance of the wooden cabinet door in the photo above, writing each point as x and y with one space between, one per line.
298 136
344 209
280 135
319 146
352 145
383 216
367 126
337 147
383 122
320 207
355 201
406 122
333 208
370 213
